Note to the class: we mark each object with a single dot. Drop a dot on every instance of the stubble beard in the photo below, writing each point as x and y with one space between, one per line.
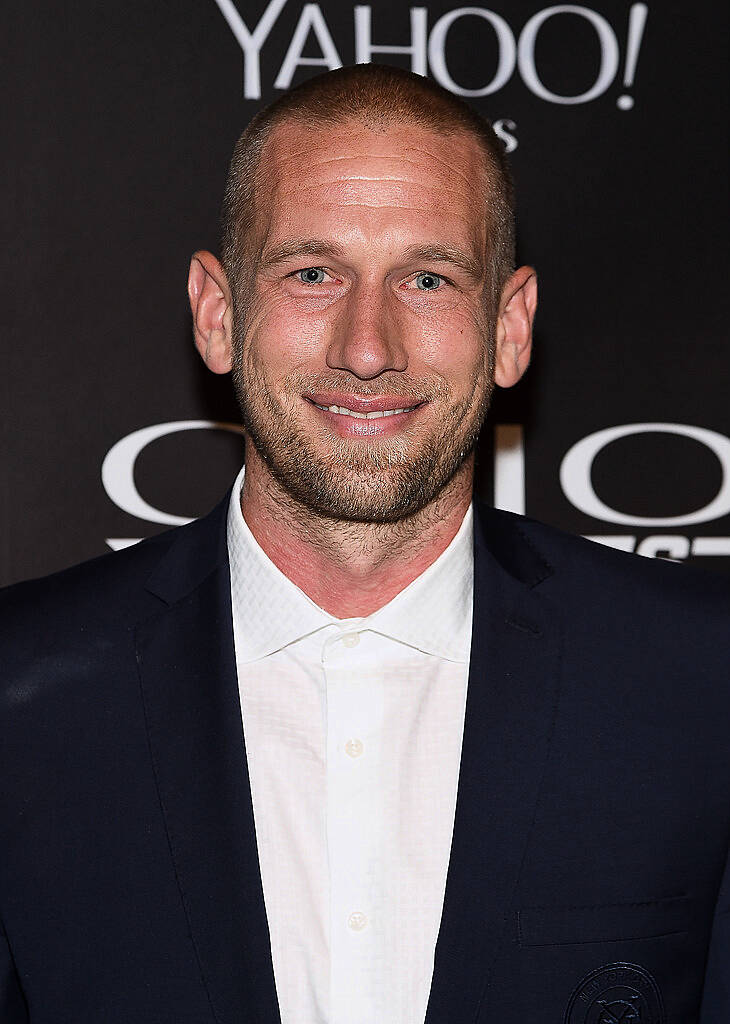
354 480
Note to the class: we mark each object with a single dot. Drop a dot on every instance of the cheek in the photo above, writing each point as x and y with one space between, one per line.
455 344
281 336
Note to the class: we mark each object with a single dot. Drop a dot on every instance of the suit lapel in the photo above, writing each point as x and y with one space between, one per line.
190 692
510 710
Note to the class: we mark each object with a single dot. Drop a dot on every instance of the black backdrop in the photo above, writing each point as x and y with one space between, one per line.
122 117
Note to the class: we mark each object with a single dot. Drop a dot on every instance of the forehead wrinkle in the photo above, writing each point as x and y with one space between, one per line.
383 192
346 178
373 193
306 154
417 204
395 176
362 182
369 155
309 245
399 207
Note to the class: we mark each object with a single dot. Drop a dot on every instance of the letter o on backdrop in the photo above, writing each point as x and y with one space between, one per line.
505 41
575 474
117 471
609 54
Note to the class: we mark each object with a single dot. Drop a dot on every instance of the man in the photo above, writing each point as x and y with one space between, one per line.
232 754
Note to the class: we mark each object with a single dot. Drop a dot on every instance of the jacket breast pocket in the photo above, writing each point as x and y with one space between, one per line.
607 922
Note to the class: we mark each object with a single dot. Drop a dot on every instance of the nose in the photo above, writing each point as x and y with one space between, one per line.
368 338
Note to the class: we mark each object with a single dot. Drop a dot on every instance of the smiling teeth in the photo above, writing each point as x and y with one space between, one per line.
362 415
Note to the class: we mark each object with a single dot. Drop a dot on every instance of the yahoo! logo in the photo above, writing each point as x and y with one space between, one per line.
117 476
428 47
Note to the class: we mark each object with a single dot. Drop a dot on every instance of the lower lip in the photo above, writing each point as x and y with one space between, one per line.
381 426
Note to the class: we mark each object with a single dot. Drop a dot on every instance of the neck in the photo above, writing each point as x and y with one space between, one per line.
350 569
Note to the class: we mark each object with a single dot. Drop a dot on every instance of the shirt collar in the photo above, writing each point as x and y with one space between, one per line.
432 614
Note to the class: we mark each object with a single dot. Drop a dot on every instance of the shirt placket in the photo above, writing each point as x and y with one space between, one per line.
354 824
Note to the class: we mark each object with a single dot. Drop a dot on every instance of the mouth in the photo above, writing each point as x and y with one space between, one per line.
342 410
358 416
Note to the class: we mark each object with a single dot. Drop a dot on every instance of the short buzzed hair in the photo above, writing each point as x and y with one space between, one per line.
378 95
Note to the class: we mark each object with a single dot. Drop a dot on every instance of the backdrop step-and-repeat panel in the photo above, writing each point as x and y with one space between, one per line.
122 120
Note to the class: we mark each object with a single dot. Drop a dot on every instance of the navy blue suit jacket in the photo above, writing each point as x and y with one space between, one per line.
592 821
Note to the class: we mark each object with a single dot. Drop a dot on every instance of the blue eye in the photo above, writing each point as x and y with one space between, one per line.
312 275
428 282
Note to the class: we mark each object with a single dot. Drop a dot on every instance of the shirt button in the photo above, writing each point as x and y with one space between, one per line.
357 921
354 748
351 639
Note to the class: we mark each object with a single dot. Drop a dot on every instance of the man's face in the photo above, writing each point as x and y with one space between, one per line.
363 366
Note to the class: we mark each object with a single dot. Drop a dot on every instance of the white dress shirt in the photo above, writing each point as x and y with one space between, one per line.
353 731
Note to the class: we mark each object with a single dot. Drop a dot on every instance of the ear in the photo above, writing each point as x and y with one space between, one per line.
516 314
210 303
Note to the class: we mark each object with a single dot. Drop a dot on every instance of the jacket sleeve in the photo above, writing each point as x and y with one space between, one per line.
716 997
13 1007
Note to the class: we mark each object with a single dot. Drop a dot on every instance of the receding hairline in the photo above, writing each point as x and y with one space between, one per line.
275 144
377 125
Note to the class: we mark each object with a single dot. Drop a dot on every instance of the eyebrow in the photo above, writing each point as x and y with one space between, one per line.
445 254
428 253
299 247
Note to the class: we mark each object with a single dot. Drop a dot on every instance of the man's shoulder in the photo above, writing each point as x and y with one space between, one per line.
108 587
575 569
117 589
641 634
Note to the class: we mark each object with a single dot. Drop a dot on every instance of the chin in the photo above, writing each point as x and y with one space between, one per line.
367 493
